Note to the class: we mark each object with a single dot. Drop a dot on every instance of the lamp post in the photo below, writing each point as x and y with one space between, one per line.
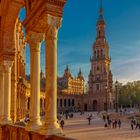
116 86
106 89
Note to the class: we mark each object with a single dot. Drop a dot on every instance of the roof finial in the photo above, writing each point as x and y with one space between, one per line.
101 9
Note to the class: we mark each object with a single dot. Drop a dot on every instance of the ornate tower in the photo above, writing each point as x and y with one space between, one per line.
100 76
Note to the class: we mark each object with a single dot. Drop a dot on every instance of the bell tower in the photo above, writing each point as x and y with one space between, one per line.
100 76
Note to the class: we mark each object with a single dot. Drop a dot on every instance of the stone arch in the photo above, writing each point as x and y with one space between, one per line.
9 18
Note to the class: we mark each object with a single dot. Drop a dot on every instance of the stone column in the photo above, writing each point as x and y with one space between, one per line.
1 93
34 40
7 91
51 127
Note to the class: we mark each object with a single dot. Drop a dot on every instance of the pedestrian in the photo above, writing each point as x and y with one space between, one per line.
132 124
89 119
62 123
115 123
104 117
109 123
119 123
108 117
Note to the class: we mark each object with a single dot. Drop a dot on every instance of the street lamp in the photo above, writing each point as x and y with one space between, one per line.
116 86
106 89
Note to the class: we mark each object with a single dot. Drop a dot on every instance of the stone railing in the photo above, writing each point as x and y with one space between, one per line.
12 132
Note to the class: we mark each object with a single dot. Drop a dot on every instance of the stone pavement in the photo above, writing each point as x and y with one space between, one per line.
79 129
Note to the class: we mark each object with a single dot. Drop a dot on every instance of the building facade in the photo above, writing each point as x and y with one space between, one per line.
100 76
67 84
70 90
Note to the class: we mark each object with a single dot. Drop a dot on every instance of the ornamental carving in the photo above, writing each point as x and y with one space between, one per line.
7 65
54 24
34 39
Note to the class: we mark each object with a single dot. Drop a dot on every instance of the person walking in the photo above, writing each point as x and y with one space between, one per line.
132 124
119 123
108 119
104 117
89 119
115 123
62 123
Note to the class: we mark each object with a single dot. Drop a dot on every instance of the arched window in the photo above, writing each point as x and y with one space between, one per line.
69 104
65 102
101 52
73 102
61 102
94 53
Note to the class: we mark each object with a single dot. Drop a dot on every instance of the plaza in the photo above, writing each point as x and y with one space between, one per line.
79 129
37 47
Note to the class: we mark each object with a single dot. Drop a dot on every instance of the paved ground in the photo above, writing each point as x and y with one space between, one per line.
79 129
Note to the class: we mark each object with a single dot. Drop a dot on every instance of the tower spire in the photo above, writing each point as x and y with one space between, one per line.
101 9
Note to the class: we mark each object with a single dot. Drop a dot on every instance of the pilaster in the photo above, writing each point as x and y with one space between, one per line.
1 93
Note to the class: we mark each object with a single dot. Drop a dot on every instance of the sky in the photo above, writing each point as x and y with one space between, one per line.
78 32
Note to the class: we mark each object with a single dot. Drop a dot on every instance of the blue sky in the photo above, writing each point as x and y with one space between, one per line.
78 33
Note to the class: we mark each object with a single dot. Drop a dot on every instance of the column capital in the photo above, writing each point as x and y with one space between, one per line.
7 64
34 39
54 24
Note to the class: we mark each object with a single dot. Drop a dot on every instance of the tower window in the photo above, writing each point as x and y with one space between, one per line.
98 68
101 52
98 53
99 33
97 86
95 53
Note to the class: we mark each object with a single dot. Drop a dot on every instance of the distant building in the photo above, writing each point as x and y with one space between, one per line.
69 91
68 84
